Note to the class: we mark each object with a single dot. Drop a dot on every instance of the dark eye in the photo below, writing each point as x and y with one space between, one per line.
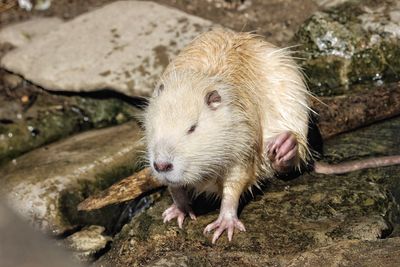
192 128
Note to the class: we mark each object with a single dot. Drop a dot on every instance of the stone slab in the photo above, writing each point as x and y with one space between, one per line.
87 242
46 184
123 46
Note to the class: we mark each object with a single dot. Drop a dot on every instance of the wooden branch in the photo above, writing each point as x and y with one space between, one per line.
340 114
126 189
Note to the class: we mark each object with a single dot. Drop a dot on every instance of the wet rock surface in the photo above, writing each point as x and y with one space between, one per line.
101 49
348 212
356 42
45 185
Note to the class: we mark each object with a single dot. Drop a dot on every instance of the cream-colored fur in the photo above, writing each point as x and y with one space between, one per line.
267 86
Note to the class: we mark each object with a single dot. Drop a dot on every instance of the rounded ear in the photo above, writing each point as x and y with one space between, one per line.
158 90
213 99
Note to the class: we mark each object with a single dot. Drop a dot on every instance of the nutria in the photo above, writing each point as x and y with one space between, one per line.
229 110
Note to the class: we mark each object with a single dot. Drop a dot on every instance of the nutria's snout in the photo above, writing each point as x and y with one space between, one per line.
166 167
161 166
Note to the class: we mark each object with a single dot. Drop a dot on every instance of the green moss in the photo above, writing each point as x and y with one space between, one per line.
324 75
52 117
391 52
368 64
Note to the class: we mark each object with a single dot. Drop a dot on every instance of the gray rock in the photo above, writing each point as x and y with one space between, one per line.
356 42
87 242
45 185
330 3
124 46
23 33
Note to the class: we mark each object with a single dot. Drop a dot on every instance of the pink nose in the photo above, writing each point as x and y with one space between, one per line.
163 166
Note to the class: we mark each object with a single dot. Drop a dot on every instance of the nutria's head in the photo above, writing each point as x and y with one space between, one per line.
191 128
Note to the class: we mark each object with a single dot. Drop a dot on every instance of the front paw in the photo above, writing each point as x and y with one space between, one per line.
228 223
175 212
282 151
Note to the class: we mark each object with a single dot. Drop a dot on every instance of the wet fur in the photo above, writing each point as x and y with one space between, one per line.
263 94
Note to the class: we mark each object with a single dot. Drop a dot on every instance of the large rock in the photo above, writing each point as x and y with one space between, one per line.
125 46
87 242
45 185
23 33
376 140
300 216
356 42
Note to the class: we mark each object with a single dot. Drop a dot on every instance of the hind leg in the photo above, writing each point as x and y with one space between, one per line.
282 151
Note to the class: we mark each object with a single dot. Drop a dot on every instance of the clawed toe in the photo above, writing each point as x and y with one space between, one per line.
222 224
282 151
174 212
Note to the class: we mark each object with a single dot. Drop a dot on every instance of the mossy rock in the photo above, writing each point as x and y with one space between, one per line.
356 42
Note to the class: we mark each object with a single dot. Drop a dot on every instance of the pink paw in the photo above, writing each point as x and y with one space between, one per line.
282 151
223 223
175 212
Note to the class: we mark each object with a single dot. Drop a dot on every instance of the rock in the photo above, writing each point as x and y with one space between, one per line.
44 118
46 185
87 242
330 3
23 33
378 253
298 217
22 246
356 42
376 140
11 80
124 46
